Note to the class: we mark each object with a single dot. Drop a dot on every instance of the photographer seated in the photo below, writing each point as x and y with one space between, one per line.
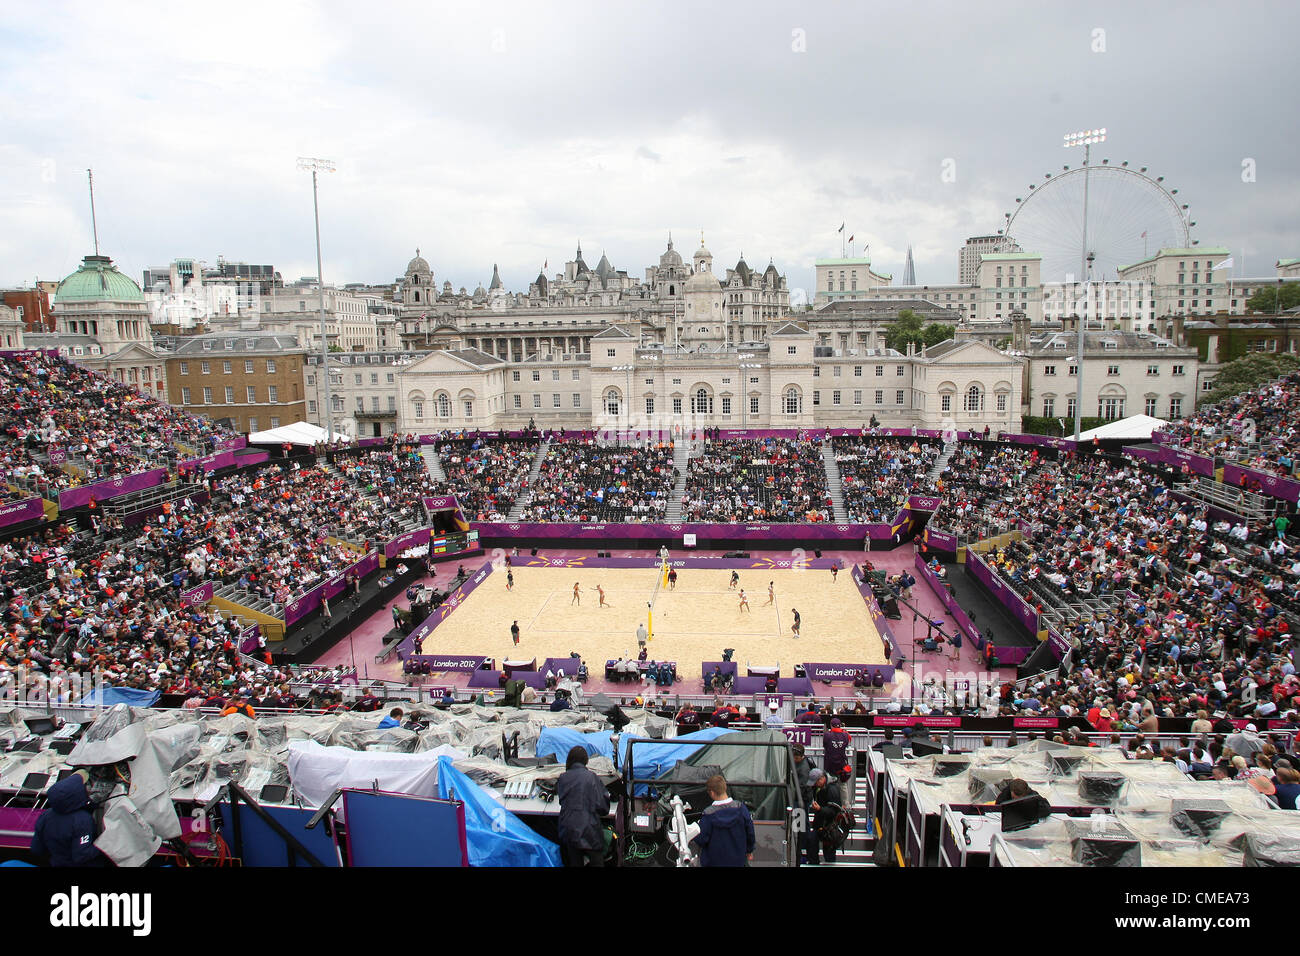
1017 789
582 672
929 645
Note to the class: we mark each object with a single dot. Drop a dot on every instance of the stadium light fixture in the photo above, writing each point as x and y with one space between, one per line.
321 166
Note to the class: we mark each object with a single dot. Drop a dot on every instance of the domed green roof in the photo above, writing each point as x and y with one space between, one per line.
96 281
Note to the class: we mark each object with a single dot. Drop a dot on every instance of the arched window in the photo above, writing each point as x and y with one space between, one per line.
444 405
974 399
702 403
793 401
419 410
612 403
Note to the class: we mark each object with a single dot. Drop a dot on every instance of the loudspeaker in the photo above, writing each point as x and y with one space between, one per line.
736 554
534 552
818 553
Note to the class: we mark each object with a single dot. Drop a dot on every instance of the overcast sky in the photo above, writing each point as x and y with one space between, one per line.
506 132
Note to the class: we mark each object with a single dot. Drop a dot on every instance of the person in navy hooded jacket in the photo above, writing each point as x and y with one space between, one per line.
65 833
726 835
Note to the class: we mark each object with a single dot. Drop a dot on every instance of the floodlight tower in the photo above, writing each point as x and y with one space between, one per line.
1084 138
317 166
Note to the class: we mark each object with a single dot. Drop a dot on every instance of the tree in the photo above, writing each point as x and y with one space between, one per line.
336 348
907 328
1265 300
1245 373
937 332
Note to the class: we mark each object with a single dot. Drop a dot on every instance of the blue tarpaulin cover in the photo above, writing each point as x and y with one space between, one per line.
653 760
560 740
111 696
495 836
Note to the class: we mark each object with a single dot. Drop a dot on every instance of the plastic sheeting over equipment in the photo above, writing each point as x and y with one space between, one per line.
558 741
139 813
318 771
496 837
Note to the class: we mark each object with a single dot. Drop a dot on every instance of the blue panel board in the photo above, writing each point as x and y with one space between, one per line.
391 829
262 846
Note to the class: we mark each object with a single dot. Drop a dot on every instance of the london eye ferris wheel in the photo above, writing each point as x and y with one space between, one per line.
1129 214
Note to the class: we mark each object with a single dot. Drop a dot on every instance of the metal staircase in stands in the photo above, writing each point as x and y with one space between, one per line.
433 461
859 849
949 449
254 602
834 483
525 497
682 462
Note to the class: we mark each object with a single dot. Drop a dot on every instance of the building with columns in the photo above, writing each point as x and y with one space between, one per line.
558 315
102 322
782 381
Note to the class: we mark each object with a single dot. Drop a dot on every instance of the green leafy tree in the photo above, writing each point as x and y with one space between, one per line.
907 328
1265 300
937 332
1245 373
910 327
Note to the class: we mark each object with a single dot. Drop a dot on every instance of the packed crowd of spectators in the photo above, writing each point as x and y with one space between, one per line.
268 530
878 475
1269 413
586 481
1198 613
396 479
487 477
73 608
105 428
764 480
986 488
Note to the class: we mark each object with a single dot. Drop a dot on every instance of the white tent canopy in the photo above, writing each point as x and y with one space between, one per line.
1135 426
299 433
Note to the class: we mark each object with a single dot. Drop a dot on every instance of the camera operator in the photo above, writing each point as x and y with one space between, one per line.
65 833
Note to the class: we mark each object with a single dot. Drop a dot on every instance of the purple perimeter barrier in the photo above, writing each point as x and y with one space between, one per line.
845 673
215 462
412 539
877 616
959 616
450 662
29 509
110 488
199 595
1164 455
442 612
1274 486
940 541
304 604
248 642
1018 606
